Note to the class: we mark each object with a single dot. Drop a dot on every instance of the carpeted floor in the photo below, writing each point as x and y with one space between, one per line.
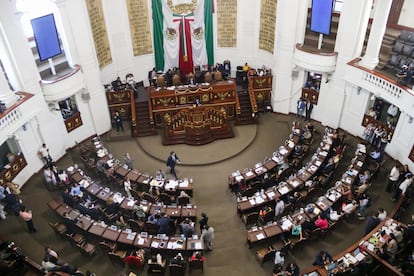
230 255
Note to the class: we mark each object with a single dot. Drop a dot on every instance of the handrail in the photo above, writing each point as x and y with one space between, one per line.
24 96
300 47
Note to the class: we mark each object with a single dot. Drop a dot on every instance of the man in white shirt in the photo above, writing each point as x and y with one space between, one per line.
280 207
44 153
279 258
402 189
393 178
127 186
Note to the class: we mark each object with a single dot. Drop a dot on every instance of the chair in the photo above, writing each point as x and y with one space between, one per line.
208 77
407 50
107 247
177 269
196 264
404 36
148 197
75 238
133 262
394 62
297 242
166 198
116 259
183 201
281 245
316 234
136 225
59 228
218 76
151 228
135 194
161 81
267 217
87 249
398 47
155 268
227 67
265 254
249 219
176 80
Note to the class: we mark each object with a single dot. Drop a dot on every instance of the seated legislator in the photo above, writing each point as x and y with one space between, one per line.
322 258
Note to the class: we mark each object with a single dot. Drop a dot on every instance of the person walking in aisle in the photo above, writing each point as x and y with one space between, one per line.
27 217
172 161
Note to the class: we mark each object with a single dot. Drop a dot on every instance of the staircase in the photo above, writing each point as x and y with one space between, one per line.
144 126
245 117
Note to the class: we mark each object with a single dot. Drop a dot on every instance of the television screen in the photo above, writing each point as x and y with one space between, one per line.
321 16
46 36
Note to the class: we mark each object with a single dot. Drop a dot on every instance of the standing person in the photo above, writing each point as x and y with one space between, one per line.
402 188
127 186
128 161
172 161
207 235
393 177
203 221
27 216
118 122
44 153
308 111
300 107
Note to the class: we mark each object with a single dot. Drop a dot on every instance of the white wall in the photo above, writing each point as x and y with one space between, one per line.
407 16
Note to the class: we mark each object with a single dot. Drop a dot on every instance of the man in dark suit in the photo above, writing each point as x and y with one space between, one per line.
171 162
308 110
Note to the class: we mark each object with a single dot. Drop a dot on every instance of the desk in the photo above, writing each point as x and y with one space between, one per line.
176 243
158 243
173 212
300 217
156 207
121 171
104 194
54 204
269 164
142 242
194 244
133 175
97 229
128 204
63 208
189 212
111 233
254 235
272 230
324 203
248 175
77 177
94 189
84 222
127 238
73 214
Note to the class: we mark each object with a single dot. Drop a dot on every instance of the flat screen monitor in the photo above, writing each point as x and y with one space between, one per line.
46 36
321 16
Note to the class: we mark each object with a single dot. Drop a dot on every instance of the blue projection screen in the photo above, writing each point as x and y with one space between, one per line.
321 16
46 36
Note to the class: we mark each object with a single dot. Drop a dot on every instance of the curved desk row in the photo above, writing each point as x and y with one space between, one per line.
324 202
126 237
98 191
294 182
357 253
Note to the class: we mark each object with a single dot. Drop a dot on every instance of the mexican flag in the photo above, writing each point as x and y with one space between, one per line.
183 40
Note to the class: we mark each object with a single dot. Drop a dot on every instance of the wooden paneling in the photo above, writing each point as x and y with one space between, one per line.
9 172
73 122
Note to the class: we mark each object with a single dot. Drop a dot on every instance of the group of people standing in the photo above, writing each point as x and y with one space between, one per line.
304 105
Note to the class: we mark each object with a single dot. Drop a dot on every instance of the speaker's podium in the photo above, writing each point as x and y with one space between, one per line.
197 125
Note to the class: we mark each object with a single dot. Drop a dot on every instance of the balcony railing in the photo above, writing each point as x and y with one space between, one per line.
381 85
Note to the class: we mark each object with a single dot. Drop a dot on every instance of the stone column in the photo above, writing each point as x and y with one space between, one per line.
7 96
378 27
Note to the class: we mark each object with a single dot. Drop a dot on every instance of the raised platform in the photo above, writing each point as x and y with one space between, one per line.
205 154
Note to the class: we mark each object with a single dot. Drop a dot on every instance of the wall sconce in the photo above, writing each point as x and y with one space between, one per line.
410 119
359 90
328 78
